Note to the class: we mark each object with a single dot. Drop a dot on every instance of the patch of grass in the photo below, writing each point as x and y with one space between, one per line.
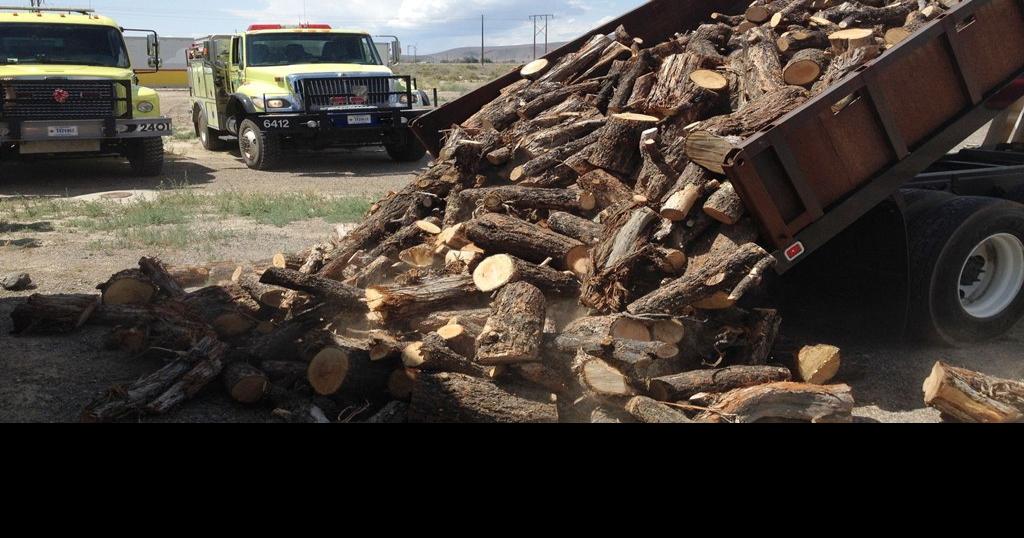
184 135
283 209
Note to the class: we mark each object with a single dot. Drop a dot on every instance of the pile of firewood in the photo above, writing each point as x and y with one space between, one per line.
573 254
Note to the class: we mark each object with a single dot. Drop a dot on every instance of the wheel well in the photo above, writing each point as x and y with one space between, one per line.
235 109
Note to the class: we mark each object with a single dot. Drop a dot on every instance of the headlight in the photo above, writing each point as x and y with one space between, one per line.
145 107
277 103
258 101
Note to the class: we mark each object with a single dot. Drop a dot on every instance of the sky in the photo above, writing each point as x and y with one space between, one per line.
430 25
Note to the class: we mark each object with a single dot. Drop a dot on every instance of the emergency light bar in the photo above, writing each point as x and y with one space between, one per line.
258 27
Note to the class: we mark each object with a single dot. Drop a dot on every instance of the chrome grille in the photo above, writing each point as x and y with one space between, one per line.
350 93
42 99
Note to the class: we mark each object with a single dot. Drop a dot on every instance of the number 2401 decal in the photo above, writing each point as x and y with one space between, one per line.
277 124
153 127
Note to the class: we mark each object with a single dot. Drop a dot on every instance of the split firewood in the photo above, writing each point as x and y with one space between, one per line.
681 387
514 332
650 411
817 364
457 398
725 205
968 396
783 401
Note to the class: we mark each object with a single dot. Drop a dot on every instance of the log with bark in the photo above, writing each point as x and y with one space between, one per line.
785 401
504 234
514 332
967 396
683 386
458 398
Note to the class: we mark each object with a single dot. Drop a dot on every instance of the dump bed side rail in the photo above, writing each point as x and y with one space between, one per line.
653 22
820 168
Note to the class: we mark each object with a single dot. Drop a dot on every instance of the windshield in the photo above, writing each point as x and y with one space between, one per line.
70 44
264 50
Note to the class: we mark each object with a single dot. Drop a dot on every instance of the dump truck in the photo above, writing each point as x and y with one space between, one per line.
859 179
277 88
67 89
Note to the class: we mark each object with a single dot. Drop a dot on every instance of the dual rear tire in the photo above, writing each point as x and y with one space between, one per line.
967 269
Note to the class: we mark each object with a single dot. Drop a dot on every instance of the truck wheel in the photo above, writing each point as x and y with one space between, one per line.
146 156
209 137
260 150
408 151
967 270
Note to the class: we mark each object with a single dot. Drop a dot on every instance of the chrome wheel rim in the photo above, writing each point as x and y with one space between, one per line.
250 148
992 276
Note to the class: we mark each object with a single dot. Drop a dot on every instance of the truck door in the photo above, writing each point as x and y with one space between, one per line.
236 71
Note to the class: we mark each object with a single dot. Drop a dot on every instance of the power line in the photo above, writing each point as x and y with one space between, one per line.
537 31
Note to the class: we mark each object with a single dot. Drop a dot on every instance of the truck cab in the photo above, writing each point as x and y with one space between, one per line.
276 88
67 89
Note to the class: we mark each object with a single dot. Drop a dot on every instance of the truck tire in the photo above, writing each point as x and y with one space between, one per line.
409 150
966 270
209 137
146 156
259 149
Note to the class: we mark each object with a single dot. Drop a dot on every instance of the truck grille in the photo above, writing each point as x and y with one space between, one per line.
58 99
350 93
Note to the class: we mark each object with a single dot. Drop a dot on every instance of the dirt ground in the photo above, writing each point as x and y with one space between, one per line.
49 379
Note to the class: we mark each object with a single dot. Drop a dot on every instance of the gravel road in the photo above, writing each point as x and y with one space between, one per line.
49 379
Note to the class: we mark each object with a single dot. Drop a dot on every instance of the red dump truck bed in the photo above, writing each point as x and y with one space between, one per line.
820 168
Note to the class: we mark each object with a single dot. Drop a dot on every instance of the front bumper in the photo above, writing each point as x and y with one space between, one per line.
88 129
371 121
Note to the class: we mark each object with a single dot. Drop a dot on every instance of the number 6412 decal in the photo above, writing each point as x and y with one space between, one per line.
277 124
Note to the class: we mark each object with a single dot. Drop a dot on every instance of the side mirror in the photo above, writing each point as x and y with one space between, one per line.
153 51
396 52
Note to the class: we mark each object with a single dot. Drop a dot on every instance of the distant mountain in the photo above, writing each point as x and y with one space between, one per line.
509 54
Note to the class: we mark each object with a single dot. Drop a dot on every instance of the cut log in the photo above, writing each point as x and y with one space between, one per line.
498 271
420 256
607 189
535 69
683 386
709 80
671 92
457 398
514 332
783 401
710 151
853 38
542 376
130 287
586 231
439 318
600 327
805 67
391 303
818 364
433 355
626 239
416 233
401 383
693 184
245 383
968 396
460 339
159 275
573 64
639 66
341 366
618 148
500 233
794 41
228 309
725 205
537 167
269 296
322 288
283 260
702 284
536 107
649 411
600 378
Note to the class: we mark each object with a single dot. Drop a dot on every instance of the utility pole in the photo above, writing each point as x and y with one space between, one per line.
537 31
481 40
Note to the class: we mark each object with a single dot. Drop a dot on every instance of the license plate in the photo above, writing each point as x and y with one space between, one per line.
62 131
361 119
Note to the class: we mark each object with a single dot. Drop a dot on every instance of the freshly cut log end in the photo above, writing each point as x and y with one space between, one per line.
418 256
494 272
709 80
327 371
852 38
129 287
578 260
669 331
758 14
602 378
245 383
818 364
973 397
428 227
535 69
287 261
628 328
497 271
805 68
